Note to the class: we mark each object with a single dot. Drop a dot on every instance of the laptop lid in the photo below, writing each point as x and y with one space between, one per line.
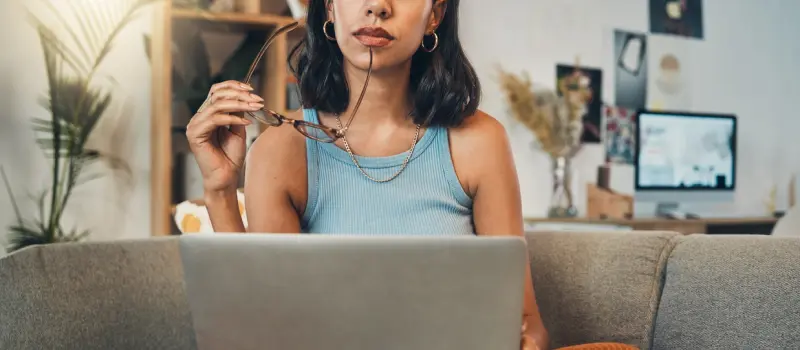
275 291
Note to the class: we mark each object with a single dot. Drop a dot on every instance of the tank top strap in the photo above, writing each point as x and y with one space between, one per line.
312 167
445 159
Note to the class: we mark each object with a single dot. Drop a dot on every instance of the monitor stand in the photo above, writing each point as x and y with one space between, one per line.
669 210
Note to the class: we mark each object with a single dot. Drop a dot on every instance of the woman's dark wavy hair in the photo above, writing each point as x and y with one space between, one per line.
444 87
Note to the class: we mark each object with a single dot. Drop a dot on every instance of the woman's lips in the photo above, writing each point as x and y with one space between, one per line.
373 41
373 36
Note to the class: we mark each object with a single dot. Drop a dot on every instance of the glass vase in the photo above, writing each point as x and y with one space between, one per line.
562 203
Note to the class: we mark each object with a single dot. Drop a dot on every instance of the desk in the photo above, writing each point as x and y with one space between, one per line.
750 226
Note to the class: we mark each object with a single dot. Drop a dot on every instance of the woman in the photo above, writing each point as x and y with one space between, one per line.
419 158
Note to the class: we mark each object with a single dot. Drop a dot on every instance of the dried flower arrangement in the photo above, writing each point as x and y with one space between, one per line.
555 120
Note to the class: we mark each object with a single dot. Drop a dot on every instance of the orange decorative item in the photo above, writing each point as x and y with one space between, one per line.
600 346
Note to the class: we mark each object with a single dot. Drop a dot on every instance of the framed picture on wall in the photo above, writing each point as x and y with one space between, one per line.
630 69
677 17
588 82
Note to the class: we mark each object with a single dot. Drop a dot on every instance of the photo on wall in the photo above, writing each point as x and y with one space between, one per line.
620 138
586 84
670 68
677 17
630 69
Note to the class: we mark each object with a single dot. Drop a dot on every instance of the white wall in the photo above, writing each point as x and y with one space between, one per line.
113 207
789 124
746 65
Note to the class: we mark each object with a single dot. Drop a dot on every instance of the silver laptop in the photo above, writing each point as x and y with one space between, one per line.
312 292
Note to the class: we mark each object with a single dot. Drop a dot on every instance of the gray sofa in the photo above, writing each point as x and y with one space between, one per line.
656 290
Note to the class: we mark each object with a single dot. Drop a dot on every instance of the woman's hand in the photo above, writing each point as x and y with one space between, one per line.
527 341
217 137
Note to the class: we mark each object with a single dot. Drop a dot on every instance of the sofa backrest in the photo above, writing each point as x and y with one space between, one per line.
650 289
731 292
95 295
595 287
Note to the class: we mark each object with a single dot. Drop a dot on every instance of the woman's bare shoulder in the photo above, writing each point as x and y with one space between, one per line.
276 162
277 145
481 133
478 144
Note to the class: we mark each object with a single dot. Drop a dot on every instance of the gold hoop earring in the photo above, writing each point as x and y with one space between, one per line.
325 30
435 43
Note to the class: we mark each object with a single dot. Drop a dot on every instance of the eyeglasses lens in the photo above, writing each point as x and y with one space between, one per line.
265 117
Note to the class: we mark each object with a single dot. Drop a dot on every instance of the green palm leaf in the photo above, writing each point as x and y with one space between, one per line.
75 45
23 236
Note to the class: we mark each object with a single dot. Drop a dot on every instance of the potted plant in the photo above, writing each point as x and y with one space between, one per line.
78 97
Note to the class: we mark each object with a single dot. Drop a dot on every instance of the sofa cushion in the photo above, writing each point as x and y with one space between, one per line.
95 295
598 287
731 292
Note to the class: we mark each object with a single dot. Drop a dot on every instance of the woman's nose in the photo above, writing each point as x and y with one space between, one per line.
379 8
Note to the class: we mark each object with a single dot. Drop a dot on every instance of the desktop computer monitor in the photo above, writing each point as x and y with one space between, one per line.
684 157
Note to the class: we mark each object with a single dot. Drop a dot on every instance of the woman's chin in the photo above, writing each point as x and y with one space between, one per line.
385 57
379 63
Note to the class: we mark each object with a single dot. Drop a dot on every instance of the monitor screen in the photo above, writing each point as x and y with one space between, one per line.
683 151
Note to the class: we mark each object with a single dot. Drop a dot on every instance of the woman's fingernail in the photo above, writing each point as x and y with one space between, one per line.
256 105
246 87
256 97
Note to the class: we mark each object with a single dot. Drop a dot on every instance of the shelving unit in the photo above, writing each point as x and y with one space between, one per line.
273 89
240 20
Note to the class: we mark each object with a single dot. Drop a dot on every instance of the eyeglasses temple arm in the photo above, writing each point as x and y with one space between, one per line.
287 28
363 91
264 48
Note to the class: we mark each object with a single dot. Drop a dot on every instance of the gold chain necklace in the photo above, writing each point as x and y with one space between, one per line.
355 161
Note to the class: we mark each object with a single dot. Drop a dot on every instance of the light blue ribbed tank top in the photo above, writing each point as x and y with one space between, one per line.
425 199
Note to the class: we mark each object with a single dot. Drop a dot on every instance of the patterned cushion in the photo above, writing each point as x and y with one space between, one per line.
192 216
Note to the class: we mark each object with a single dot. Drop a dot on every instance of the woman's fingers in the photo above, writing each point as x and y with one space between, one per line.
235 94
229 90
225 99
222 88
200 129
230 106
230 84
220 120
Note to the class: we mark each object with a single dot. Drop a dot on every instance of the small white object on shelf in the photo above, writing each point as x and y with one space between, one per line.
299 8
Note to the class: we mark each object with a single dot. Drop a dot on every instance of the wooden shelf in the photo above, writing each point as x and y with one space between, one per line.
710 220
238 19
163 133
743 225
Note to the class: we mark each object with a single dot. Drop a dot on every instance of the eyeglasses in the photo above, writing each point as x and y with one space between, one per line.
313 131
